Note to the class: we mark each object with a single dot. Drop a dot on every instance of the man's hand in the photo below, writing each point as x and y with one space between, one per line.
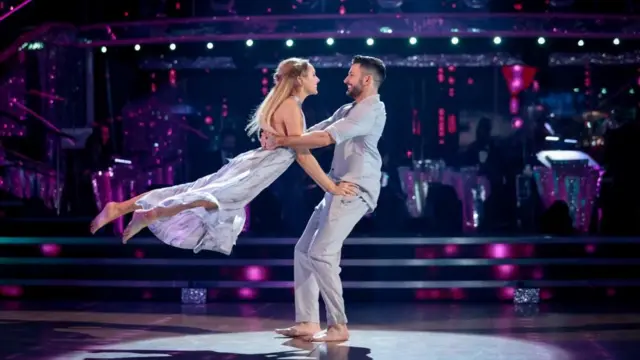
268 141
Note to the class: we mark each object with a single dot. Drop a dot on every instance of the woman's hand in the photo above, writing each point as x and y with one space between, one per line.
345 189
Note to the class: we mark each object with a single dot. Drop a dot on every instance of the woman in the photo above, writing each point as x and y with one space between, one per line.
208 214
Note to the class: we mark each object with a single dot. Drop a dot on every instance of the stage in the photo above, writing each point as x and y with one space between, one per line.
70 331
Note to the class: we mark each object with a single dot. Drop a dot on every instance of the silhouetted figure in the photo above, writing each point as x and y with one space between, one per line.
99 149
556 220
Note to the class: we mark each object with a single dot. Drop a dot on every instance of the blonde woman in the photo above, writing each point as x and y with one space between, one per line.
208 214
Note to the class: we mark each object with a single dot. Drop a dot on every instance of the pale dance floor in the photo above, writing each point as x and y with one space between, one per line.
69 331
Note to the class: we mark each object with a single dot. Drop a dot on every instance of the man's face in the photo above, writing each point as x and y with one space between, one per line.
355 81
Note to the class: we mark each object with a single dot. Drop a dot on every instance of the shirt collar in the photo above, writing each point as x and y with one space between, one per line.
368 99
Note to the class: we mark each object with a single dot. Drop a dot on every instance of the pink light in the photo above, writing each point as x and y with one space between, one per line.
208 120
590 249
517 123
611 292
247 293
421 294
50 250
528 250
139 254
147 295
457 294
451 124
499 251
255 273
506 293
11 291
505 271
546 294
451 249
470 81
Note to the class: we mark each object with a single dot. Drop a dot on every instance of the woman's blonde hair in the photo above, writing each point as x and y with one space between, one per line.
286 81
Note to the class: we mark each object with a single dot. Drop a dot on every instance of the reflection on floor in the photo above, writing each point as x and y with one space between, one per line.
379 331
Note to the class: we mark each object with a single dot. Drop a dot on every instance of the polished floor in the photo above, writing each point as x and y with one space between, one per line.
69 331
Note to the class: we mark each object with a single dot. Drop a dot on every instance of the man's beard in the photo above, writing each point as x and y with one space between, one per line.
355 91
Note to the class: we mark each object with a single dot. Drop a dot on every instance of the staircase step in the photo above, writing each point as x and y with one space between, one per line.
261 269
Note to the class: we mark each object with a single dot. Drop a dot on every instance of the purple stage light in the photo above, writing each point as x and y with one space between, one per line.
11 291
505 271
506 293
255 273
50 250
499 251
247 293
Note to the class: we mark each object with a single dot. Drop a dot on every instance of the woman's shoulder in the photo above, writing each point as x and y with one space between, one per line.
288 104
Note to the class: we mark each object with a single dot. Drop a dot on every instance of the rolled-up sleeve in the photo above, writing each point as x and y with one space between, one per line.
321 125
325 123
358 122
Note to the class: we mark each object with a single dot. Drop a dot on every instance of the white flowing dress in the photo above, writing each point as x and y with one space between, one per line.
231 188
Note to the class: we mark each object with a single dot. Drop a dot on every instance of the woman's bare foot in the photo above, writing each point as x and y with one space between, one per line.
110 212
300 329
335 333
140 220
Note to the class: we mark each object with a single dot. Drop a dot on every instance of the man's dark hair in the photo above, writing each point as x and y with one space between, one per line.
372 65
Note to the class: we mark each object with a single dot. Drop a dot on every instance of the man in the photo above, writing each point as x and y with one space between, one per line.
355 130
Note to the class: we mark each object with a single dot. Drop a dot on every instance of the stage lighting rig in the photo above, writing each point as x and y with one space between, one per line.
477 4
392 5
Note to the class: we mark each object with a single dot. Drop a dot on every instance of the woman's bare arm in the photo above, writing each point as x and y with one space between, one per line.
291 117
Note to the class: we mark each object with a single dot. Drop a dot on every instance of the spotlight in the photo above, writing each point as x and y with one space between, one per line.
616 41
541 40
172 46
103 49
413 40
249 42
497 40
330 41
289 43
455 40
370 41
210 46
581 43
137 47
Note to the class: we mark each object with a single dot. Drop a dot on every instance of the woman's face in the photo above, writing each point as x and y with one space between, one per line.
310 81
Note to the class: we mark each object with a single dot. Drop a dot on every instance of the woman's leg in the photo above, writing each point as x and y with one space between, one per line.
114 210
142 218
